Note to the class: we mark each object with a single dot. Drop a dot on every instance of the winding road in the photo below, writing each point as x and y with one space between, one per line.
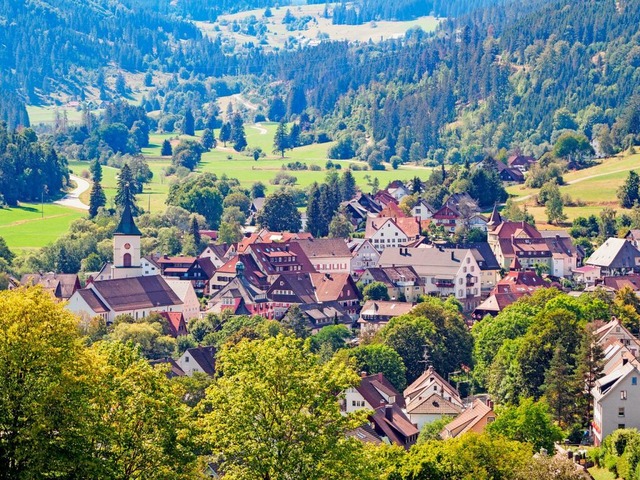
72 199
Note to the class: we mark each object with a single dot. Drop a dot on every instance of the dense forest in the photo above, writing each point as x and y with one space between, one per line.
496 75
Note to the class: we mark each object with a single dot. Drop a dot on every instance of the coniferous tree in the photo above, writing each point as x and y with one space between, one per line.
560 389
96 171
629 191
125 189
237 133
590 362
225 133
281 139
195 232
294 136
208 141
277 109
97 199
348 188
188 124
166 150
315 218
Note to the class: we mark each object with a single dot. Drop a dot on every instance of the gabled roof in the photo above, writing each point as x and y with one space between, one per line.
329 286
392 210
324 247
390 276
426 382
495 219
432 404
617 283
299 284
377 390
379 308
606 384
483 254
93 301
615 253
61 285
175 320
136 293
439 261
506 229
466 420
519 282
497 302
205 357
207 266
326 313
391 421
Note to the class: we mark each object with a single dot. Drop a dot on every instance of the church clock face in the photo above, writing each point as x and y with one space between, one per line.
127 246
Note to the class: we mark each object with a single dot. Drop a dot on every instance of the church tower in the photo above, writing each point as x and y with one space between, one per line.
126 247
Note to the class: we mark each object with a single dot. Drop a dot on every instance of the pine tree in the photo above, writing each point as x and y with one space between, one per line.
237 133
347 186
225 133
315 218
277 109
125 190
560 389
97 199
281 139
96 171
188 125
166 150
208 141
195 232
294 136
590 362
629 193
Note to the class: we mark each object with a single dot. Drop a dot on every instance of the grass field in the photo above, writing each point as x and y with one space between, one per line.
24 227
596 187
319 26
46 115
601 474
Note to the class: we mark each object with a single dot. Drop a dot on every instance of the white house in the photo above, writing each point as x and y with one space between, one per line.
615 400
364 255
186 293
198 360
327 255
385 232
430 397
422 210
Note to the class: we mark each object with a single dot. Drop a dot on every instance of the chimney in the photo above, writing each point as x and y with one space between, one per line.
363 374
388 412
379 376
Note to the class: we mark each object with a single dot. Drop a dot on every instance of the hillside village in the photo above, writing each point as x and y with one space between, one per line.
365 281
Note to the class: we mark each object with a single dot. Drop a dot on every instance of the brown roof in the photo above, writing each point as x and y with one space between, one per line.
174 368
427 381
166 260
392 275
409 225
392 210
381 308
519 282
433 404
205 357
507 229
466 420
61 285
93 301
207 266
324 247
374 388
617 283
329 286
136 293
391 421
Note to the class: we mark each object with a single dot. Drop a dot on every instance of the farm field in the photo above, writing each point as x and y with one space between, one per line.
277 34
24 227
595 186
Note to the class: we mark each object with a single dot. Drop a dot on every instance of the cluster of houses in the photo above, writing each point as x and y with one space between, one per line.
268 273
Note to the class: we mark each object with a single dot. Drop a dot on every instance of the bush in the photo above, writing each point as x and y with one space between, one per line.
322 137
282 178
315 168
259 118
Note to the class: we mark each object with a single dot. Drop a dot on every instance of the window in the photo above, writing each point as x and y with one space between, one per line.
623 394
634 380
126 260
464 269
491 419
621 425
621 411
186 359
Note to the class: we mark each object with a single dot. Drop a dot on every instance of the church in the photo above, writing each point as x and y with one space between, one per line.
126 290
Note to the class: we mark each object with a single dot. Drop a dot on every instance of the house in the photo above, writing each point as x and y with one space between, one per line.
274 259
385 232
384 198
339 288
494 304
473 419
520 281
227 272
375 392
477 221
444 271
392 210
198 360
136 296
241 297
363 255
255 208
423 210
403 283
149 267
172 368
586 275
360 207
61 285
616 355
375 314
510 174
319 315
631 281
327 255
633 237
198 271
488 264
430 397
616 256
615 400
447 217
177 323
614 332
187 294
216 254
398 190
521 162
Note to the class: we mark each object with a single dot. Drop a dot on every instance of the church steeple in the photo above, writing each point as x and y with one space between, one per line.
127 226
495 219
126 246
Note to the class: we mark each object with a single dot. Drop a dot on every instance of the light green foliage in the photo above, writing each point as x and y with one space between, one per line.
274 414
530 422
376 291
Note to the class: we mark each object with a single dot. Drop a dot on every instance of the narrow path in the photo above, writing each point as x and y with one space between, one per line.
260 128
72 199
578 180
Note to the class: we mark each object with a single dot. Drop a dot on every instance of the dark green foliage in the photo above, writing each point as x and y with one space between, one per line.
376 291
166 150
629 191
225 133
187 153
97 199
281 139
377 358
348 188
126 189
279 213
200 194
188 124
96 171
238 136
277 109
208 141
5 254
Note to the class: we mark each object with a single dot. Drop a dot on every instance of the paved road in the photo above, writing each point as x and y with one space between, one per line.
72 199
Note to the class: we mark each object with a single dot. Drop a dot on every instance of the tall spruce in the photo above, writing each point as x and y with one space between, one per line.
225 133
96 171
97 199
315 218
238 136
629 191
189 124
590 363
560 389
347 186
125 190
167 149
195 232
281 139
